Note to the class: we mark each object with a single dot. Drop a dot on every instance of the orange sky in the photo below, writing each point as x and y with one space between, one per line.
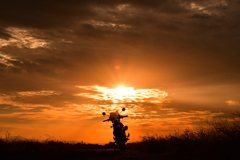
61 63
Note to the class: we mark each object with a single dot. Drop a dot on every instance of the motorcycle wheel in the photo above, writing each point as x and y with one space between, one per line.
122 146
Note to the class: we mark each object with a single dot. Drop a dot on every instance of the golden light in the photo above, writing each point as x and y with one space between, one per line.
121 90
119 94
123 94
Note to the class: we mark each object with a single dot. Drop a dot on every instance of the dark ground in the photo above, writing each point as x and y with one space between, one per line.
88 154
107 154
33 150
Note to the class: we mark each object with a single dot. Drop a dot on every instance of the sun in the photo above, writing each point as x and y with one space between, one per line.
121 90
122 93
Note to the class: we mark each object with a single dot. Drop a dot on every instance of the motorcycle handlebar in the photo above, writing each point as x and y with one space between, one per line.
106 120
110 119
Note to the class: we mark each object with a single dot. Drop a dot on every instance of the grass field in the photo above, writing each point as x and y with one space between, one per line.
219 140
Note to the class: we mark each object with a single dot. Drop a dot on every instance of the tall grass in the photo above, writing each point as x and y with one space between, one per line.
48 149
49 145
221 138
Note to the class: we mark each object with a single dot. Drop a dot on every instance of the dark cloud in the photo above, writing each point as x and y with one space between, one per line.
201 16
4 34
9 109
62 13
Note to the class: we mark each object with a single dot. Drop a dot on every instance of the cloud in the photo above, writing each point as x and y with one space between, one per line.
124 94
168 120
4 34
45 14
145 24
22 38
38 93
18 100
234 103
6 60
10 109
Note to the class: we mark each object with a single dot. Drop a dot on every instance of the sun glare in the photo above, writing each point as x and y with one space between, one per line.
121 90
124 94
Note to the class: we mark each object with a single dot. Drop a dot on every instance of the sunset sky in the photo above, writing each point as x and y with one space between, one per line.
171 63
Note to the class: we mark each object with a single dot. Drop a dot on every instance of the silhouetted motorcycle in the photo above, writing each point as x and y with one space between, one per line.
118 129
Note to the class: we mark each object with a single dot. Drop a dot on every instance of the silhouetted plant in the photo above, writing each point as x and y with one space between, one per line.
220 137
